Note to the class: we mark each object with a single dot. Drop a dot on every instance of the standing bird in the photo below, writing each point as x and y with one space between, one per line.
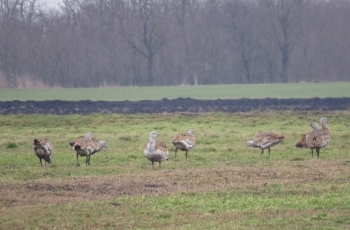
318 139
302 142
86 146
156 151
184 141
265 140
43 149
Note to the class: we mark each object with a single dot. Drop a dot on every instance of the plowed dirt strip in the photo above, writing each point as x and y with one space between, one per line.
180 105
157 183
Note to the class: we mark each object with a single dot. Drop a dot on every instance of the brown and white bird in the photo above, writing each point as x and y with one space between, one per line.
87 146
156 151
302 142
265 140
184 141
43 149
318 139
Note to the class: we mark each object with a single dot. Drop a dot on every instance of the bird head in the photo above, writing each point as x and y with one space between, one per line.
49 160
250 143
314 126
153 134
190 131
36 142
103 144
323 120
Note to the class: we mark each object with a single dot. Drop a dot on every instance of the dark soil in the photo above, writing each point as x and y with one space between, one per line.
180 105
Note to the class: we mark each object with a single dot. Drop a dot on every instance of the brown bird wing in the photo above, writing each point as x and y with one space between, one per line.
266 137
40 141
302 142
48 145
161 146
93 143
81 142
318 138
76 140
184 137
43 143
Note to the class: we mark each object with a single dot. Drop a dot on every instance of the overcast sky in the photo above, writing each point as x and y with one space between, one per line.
51 3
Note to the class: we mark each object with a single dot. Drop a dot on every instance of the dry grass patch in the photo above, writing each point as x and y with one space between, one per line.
164 182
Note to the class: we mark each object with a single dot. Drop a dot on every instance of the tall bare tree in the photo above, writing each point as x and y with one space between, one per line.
145 31
284 20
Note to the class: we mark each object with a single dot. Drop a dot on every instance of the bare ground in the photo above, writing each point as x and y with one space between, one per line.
109 187
172 106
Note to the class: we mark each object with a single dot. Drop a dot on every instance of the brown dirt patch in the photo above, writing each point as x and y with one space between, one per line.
158 183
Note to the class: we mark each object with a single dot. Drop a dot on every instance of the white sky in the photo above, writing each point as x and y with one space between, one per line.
50 3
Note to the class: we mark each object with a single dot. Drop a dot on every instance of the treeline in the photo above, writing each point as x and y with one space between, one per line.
92 43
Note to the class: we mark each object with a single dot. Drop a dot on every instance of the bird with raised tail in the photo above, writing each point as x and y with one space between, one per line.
318 139
87 146
265 140
184 141
43 149
156 151
302 142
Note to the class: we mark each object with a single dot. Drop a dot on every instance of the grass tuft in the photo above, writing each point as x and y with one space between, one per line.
11 145
297 159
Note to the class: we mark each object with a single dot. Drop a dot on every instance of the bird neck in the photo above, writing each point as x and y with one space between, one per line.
251 143
152 145
101 146
325 127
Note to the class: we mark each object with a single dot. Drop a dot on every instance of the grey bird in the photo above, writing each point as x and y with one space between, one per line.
184 141
87 146
43 149
156 151
265 140
318 139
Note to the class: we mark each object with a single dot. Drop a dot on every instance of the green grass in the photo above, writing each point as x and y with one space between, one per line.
222 185
292 90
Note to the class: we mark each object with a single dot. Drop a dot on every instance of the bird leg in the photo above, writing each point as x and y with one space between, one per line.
78 160
87 159
41 162
159 165
262 151
312 153
269 151
186 154
318 153
175 152
153 165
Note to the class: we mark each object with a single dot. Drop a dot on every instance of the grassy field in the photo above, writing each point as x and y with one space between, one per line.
222 185
300 90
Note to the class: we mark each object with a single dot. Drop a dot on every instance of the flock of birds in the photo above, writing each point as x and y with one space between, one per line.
315 139
157 151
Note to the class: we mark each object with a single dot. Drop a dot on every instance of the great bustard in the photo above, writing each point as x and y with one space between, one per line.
318 139
265 140
156 151
184 141
86 146
43 149
302 142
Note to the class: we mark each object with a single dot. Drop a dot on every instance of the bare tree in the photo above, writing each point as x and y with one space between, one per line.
144 31
241 21
284 19
92 43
